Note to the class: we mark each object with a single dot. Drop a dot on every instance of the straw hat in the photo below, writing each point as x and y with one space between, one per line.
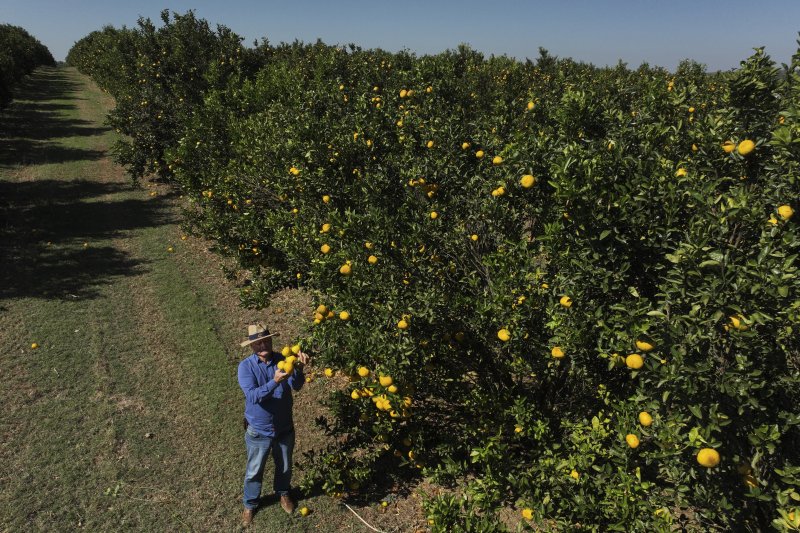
256 332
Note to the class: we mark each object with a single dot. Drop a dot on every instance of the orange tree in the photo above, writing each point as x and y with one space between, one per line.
20 54
108 56
442 209
157 75
576 287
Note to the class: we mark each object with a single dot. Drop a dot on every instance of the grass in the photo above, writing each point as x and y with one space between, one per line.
128 414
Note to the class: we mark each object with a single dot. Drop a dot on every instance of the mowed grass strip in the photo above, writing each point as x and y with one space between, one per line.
127 414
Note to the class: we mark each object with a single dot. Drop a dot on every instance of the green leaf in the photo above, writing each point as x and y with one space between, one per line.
695 438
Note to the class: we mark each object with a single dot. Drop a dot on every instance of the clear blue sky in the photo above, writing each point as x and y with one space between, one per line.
717 33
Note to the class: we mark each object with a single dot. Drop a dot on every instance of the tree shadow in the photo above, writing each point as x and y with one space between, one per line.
45 223
47 83
28 126
388 482
20 152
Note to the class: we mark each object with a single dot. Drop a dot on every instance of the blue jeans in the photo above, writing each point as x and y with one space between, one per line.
258 448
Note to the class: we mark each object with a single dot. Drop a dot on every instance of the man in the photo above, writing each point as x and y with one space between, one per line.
268 417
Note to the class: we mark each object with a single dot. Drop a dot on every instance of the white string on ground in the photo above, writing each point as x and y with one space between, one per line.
365 522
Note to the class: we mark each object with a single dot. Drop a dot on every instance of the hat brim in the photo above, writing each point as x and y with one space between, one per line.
248 342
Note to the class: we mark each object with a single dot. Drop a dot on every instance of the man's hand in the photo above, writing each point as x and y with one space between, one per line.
303 359
280 375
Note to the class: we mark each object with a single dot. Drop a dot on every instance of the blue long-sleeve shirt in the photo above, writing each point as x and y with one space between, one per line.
268 405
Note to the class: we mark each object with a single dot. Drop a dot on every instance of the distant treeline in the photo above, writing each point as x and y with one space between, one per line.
20 54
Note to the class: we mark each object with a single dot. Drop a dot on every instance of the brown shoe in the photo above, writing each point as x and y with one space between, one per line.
247 517
287 503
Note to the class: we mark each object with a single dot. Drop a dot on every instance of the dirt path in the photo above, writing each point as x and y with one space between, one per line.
126 415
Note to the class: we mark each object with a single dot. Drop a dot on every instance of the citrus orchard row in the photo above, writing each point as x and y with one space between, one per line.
569 290
20 54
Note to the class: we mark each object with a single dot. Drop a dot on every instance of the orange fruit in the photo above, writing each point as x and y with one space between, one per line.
786 212
737 321
527 181
634 361
644 346
745 147
708 457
